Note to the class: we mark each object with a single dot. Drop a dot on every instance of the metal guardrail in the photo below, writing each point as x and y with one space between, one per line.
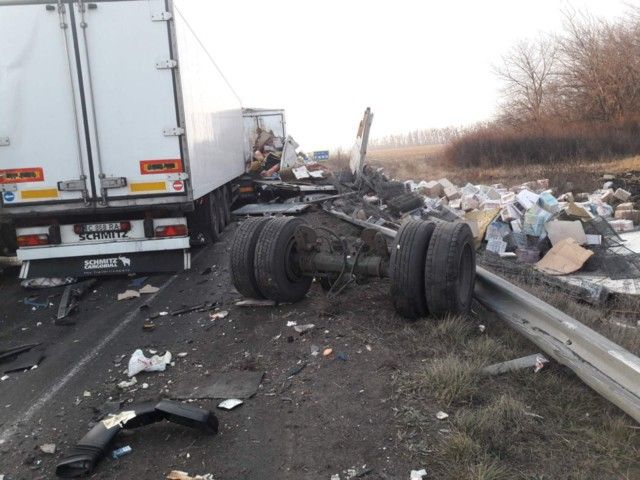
606 367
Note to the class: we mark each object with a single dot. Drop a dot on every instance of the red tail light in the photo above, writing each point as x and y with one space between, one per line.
33 240
171 231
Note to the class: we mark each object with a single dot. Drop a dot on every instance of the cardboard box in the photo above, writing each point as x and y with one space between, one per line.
534 221
622 194
431 189
452 193
527 199
548 202
445 183
621 225
633 215
565 257
625 206
607 196
559 230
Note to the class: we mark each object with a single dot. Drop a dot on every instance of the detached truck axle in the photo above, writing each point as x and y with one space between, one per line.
431 266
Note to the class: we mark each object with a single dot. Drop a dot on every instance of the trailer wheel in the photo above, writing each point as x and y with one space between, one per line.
450 269
407 267
243 247
277 273
214 218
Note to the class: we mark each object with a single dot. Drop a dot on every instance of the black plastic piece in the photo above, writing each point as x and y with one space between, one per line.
54 235
95 444
148 228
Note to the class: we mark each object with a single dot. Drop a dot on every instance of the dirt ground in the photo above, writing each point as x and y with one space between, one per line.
370 406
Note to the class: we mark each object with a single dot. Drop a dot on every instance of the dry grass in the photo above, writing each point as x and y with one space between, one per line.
427 163
519 425
450 380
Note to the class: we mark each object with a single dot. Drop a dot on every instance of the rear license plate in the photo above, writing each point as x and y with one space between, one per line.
101 227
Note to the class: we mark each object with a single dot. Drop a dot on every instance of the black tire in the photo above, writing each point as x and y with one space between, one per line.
450 269
406 268
241 262
214 218
276 274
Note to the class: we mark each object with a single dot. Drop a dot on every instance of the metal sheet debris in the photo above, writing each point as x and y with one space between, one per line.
230 404
241 384
271 208
535 361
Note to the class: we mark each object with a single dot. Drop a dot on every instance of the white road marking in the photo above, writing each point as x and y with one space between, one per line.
7 433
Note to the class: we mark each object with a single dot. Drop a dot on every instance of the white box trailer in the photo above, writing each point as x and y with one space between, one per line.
115 124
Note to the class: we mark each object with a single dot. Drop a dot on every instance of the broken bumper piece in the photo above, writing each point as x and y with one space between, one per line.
94 445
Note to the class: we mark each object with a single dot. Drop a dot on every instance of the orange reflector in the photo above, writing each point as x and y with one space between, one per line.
149 167
179 230
39 194
21 175
33 240
245 189
147 186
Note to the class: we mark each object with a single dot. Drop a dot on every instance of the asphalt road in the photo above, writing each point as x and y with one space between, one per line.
331 416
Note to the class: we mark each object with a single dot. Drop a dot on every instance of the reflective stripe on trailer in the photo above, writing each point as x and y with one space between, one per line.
148 186
39 194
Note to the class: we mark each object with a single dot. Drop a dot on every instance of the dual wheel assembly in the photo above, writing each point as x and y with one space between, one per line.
431 266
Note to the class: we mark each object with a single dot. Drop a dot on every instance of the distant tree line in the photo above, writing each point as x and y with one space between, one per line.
574 95
425 136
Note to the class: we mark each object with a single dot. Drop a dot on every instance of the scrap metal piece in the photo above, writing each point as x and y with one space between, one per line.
271 208
531 361
12 352
70 297
242 384
24 361
359 150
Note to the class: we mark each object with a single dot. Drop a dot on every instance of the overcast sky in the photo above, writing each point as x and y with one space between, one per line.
417 64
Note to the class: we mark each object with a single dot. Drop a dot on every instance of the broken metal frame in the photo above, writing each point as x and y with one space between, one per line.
606 367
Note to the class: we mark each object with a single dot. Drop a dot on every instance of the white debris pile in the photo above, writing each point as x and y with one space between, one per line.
531 222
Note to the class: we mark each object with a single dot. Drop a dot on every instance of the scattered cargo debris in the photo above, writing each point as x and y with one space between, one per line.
418 474
70 298
47 282
94 445
535 361
139 363
26 361
255 302
240 384
121 452
230 404
180 475
48 448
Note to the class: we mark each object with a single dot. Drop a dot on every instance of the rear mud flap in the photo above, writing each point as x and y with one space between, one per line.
164 261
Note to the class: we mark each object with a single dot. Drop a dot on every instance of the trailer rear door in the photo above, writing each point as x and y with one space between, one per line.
128 75
42 141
